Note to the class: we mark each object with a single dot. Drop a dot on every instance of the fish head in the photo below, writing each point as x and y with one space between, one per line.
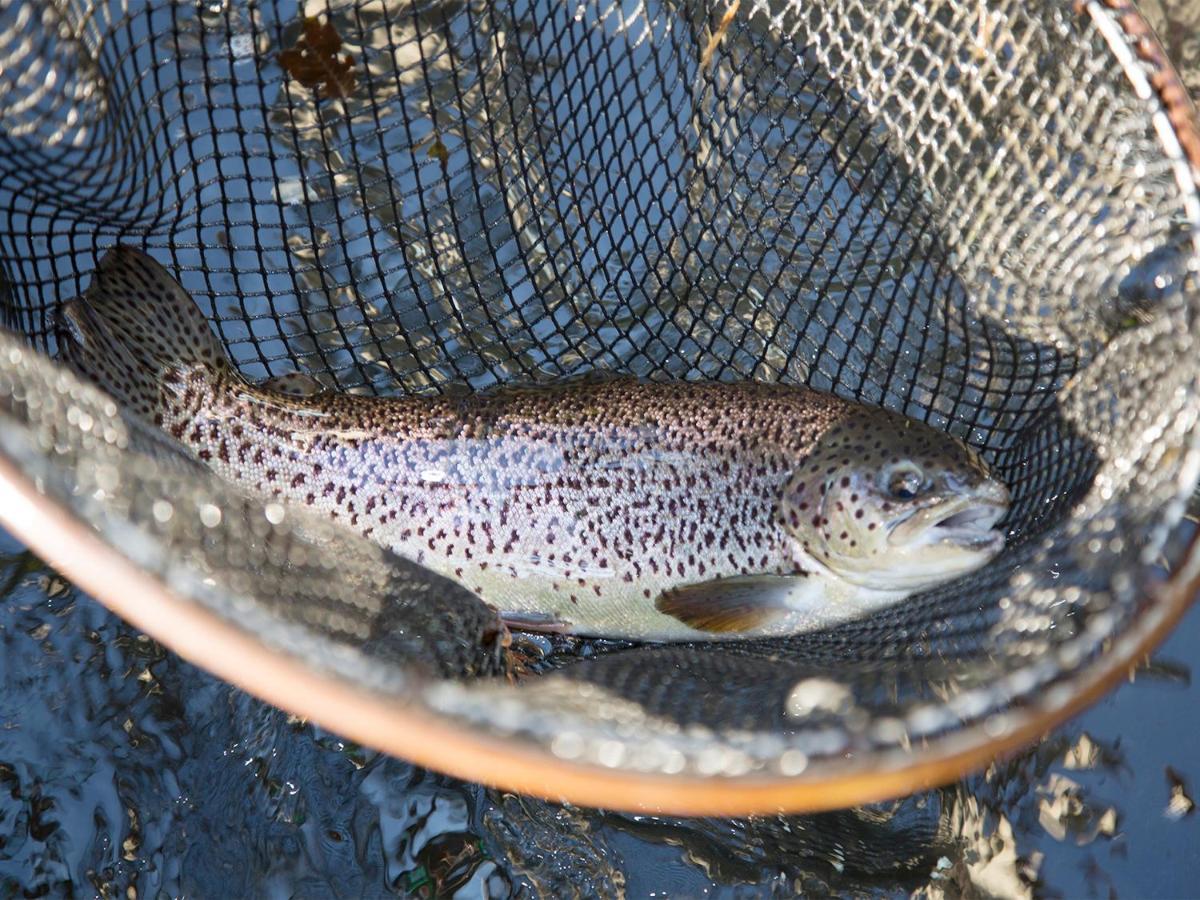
889 503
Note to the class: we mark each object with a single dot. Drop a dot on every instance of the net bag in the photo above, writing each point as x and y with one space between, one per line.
980 215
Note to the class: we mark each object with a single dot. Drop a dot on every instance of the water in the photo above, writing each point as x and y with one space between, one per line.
122 765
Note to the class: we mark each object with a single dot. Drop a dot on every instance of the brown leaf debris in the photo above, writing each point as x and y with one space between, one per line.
314 62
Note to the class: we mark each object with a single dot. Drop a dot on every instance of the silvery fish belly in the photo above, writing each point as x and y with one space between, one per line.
624 509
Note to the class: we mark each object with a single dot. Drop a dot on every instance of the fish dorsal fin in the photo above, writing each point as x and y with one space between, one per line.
743 604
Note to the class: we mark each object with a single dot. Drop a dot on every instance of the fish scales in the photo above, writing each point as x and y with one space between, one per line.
616 507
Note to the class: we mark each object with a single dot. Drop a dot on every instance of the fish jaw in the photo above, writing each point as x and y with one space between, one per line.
939 542
967 521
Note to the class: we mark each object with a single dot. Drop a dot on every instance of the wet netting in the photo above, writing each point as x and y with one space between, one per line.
981 215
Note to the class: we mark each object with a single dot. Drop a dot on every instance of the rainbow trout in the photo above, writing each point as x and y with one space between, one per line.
656 511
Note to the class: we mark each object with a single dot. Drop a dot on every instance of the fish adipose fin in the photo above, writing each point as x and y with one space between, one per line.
744 604
293 384
136 328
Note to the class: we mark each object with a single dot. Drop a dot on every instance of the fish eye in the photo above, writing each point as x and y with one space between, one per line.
904 481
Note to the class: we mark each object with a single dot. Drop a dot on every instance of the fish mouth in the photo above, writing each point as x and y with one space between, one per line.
972 527
979 517
967 522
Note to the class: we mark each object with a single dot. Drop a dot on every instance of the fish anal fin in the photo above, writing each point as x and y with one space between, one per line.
545 623
748 604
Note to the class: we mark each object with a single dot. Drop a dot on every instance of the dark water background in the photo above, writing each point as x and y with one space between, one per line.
123 767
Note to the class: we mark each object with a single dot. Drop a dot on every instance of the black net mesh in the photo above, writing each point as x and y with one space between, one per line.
975 214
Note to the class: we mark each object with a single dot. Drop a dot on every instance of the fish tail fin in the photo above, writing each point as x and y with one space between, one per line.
136 331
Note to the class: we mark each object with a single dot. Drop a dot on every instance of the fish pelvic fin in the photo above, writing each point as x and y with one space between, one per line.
746 605
135 330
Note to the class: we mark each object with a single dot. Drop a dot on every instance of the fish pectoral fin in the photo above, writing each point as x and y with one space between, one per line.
743 603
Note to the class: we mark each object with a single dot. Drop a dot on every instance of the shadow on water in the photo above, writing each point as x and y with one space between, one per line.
123 765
